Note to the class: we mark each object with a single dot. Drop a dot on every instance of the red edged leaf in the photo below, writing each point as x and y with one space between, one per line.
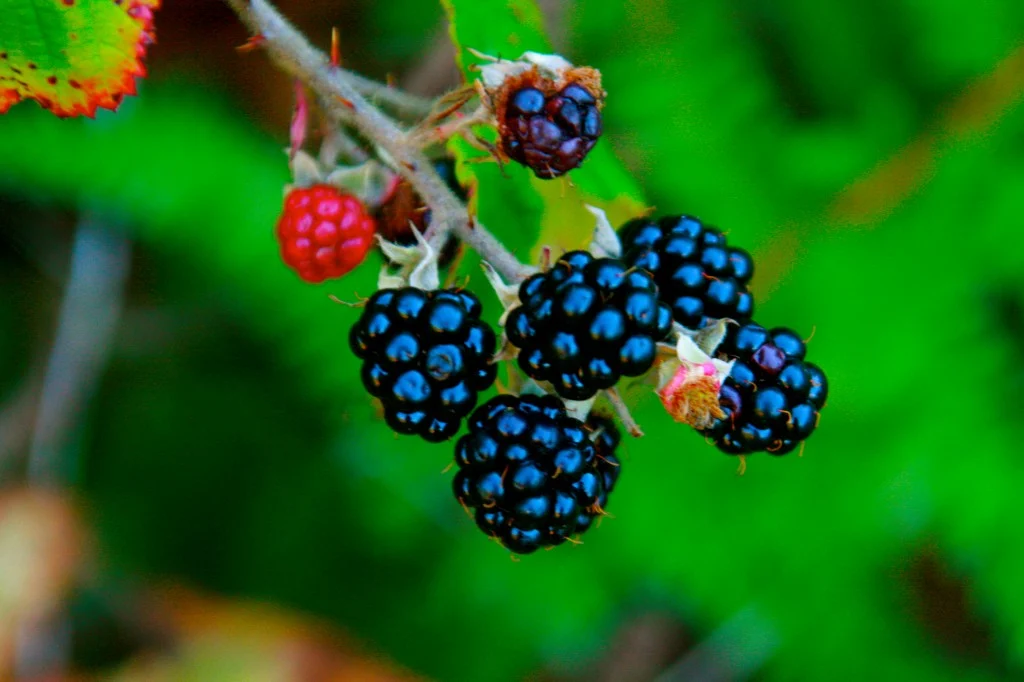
73 56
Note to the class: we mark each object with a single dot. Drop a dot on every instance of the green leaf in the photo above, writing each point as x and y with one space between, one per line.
72 56
523 210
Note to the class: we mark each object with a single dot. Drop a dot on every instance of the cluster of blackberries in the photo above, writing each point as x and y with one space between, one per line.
698 274
772 398
587 322
426 355
533 475
550 135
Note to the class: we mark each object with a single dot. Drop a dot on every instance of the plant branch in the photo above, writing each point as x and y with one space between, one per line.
401 102
293 53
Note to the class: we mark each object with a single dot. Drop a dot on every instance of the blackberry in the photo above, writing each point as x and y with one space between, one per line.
426 355
531 473
550 134
772 397
586 322
698 274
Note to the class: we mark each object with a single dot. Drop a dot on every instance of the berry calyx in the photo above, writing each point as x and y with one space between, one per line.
587 322
323 233
426 355
772 399
531 473
699 275
690 383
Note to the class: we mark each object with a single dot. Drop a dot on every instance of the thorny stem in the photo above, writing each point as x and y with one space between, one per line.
341 90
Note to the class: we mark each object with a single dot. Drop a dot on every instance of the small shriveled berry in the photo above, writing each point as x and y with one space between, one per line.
403 209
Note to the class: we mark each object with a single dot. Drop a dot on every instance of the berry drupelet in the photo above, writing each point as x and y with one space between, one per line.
426 355
772 398
551 134
531 473
323 233
698 274
587 322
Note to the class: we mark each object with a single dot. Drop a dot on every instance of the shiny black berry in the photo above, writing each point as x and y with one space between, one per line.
426 355
698 274
586 322
532 475
772 398
551 135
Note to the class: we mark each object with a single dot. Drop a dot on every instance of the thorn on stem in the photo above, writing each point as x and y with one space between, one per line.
252 43
335 48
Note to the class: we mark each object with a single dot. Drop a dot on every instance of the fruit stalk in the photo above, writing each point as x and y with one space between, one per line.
294 54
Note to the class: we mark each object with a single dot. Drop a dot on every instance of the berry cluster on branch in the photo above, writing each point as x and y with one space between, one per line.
664 302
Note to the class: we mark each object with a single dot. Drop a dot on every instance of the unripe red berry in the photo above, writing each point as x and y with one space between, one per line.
323 232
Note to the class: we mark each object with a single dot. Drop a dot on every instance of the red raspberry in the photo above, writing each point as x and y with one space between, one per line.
323 232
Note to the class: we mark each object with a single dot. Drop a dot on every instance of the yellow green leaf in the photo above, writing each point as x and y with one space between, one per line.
73 56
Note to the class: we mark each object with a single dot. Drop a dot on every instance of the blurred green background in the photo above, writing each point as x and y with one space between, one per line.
869 154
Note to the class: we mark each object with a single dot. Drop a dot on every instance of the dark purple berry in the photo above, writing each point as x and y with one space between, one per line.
550 135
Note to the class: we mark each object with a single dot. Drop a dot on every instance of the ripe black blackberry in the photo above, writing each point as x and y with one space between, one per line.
551 134
586 322
426 356
698 274
772 398
531 473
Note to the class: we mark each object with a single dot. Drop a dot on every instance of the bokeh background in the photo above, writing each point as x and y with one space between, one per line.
193 485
